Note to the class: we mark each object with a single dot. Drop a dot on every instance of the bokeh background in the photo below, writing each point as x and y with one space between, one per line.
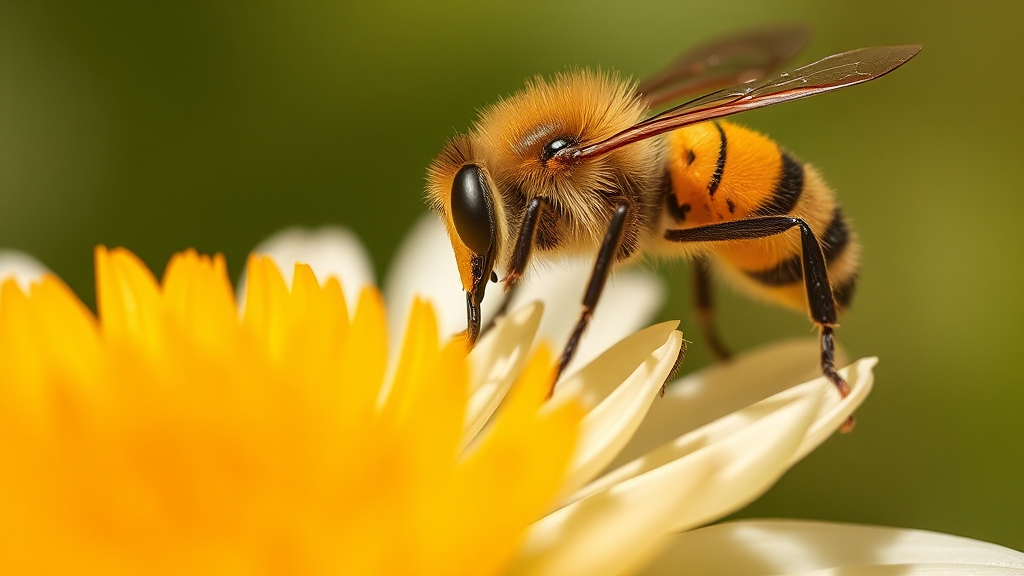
163 126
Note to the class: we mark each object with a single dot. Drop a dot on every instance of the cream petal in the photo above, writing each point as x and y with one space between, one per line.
23 268
604 534
629 300
830 414
763 547
747 474
495 363
612 529
836 410
914 570
721 389
329 251
616 389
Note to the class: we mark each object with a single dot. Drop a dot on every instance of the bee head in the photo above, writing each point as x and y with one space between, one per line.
527 138
462 192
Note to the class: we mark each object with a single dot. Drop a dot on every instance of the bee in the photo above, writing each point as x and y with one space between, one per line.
576 165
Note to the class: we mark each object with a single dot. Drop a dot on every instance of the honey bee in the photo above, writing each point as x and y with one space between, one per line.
575 165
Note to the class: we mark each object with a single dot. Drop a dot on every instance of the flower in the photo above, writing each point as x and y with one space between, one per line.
174 436
612 529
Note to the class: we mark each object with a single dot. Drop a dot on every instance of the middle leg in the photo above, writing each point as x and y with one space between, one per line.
706 309
598 278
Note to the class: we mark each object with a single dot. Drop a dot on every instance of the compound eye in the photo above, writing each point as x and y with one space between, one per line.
472 209
556 146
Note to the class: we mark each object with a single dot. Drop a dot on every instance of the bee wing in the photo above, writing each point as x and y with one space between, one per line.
747 55
831 73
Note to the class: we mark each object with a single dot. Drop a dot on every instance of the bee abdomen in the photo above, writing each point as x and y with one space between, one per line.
833 243
787 190
719 171
784 280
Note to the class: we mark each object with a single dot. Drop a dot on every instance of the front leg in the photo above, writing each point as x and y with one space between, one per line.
520 256
524 241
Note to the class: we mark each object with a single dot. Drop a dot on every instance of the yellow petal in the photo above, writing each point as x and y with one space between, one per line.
172 436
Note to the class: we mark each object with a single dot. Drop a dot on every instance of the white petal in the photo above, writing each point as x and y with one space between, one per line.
746 474
722 389
830 414
763 547
834 409
22 267
604 534
612 529
915 570
495 363
329 251
616 389
629 300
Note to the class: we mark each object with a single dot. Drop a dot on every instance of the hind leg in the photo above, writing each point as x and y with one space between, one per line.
821 303
706 309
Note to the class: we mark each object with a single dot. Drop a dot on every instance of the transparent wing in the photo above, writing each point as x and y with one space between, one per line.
747 55
831 73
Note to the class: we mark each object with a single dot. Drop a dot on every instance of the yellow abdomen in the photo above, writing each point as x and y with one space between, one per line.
721 171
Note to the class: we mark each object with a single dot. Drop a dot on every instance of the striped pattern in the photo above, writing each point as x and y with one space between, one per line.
716 177
787 190
790 270
721 173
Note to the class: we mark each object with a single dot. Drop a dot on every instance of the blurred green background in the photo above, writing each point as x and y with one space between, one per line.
162 126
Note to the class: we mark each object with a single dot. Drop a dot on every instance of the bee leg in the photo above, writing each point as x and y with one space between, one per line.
520 256
524 240
680 357
706 310
819 292
506 300
598 277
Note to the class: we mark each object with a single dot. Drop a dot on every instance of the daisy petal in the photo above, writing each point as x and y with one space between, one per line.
612 527
605 533
763 547
329 251
628 302
722 389
829 415
835 410
916 570
22 267
616 396
495 362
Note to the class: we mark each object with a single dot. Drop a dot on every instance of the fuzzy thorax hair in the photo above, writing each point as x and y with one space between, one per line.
509 137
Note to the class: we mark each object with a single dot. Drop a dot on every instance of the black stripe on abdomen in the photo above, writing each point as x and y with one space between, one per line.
676 211
836 236
787 189
716 176
790 270
843 291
